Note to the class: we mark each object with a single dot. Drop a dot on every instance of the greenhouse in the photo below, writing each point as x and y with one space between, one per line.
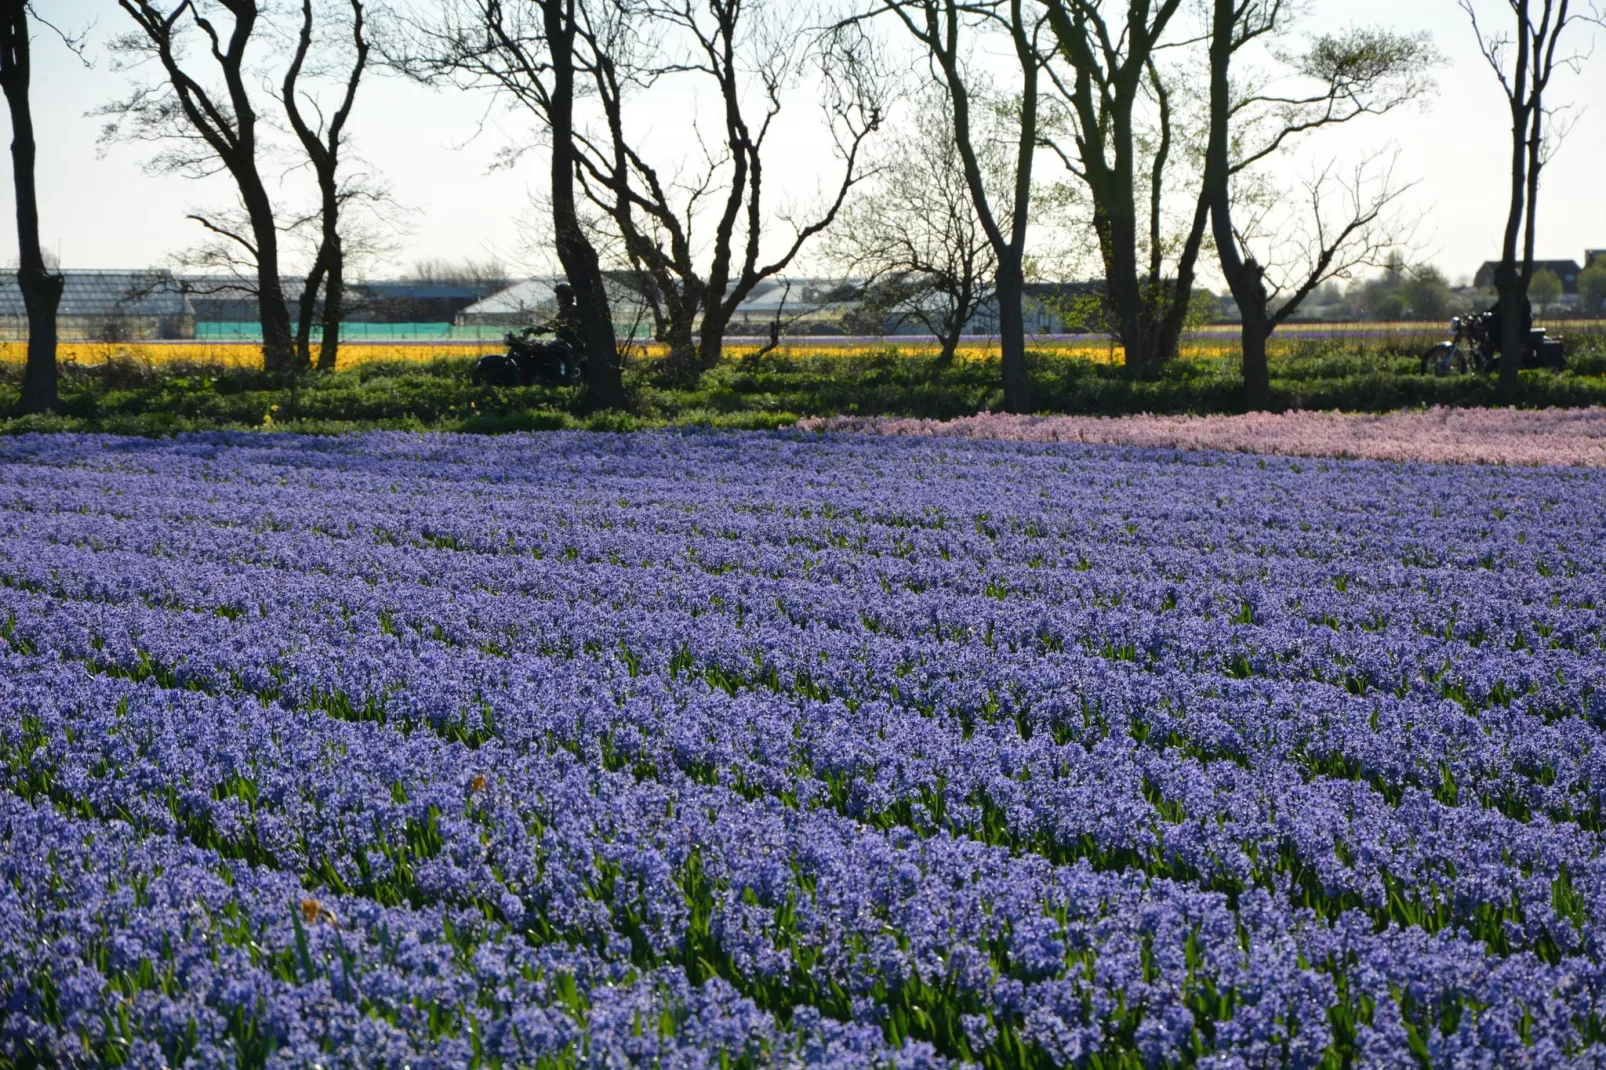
106 306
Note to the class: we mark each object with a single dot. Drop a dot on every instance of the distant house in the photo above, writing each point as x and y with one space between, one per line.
106 306
1592 255
1565 270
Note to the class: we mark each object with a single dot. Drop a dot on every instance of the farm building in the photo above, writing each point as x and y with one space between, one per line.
106 306
802 307
533 301
520 304
1565 270
221 299
415 302
225 300
1046 308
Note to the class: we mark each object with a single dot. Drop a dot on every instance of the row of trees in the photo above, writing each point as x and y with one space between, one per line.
1101 120
204 113
1025 108
1403 291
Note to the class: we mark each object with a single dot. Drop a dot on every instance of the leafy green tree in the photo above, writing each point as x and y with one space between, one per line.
1545 289
1592 287
1427 294
1381 299
1386 304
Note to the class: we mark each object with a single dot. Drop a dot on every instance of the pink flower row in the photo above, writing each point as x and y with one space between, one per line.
1468 436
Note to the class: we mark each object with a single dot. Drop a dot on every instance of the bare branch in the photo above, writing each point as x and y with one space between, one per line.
224 232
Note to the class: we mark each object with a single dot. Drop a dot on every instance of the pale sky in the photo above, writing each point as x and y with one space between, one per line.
100 209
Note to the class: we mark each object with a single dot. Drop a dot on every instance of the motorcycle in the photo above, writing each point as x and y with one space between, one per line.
531 362
1473 347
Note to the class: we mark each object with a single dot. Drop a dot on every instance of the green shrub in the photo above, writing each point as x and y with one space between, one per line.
771 391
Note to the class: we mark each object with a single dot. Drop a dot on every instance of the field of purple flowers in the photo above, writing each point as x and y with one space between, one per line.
767 750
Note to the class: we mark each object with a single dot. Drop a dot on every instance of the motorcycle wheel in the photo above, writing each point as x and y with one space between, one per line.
496 370
1443 359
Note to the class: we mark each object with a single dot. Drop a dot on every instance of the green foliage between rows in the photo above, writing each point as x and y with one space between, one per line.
773 391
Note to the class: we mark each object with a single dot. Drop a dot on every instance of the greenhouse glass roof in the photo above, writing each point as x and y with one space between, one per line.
105 293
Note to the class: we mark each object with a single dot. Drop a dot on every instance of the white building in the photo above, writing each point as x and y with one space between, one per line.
533 301
785 298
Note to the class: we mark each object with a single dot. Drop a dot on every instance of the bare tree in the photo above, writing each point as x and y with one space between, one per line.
1524 77
1360 72
947 29
480 274
322 142
1113 73
751 53
535 55
914 242
204 131
41 288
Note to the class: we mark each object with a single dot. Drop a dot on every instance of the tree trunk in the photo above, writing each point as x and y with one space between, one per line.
304 317
1123 288
604 383
1011 289
1009 250
330 268
278 340
951 331
332 262
41 296
41 290
1257 329
1243 275
334 309
1137 343
711 339
1513 331
278 348
684 361
1509 280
